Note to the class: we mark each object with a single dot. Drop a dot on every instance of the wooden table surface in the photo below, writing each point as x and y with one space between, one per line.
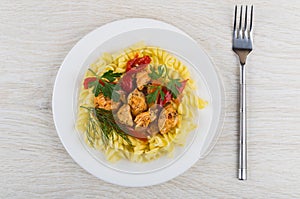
35 36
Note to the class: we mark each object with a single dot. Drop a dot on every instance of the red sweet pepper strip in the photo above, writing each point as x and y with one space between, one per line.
143 60
137 61
137 69
87 81
168 94
91 79
183 83
131 62
168 97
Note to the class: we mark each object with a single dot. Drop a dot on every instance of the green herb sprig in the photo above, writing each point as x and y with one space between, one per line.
105 84
171 84
101 123
152 97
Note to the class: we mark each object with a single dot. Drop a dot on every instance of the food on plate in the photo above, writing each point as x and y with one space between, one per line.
168 119
142 78
124 115
142 119
138 104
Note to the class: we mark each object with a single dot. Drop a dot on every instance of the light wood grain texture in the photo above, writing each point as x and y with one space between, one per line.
35 36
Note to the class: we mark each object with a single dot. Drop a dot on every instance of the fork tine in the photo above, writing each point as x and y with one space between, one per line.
241 12
235 12
245 32
251 18
245 25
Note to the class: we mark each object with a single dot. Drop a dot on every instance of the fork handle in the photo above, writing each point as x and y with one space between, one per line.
242 173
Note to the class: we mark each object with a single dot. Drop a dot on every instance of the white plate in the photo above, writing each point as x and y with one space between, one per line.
113 37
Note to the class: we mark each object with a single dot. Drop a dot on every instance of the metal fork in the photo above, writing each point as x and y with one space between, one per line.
242 43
